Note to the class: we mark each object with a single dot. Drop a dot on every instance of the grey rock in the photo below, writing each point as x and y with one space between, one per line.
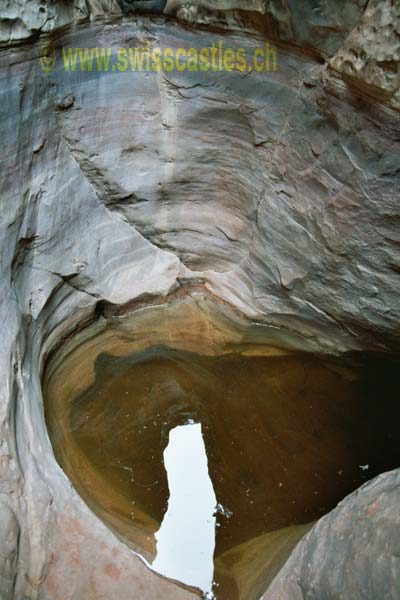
143 6
353 552
66 102
371 55
24 19
9 532
318 24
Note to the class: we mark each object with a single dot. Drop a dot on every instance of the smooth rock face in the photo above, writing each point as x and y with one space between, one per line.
275 192
335 558
9 530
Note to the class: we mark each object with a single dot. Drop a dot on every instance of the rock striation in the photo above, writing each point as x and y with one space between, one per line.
275 193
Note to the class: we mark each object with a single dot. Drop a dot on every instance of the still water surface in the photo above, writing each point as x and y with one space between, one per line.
213 467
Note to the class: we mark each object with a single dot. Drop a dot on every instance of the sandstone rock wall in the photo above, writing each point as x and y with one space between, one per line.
275 192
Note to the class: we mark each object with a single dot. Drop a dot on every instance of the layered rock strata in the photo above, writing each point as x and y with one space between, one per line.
276 193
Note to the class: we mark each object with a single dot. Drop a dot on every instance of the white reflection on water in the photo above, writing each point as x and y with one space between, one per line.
186 538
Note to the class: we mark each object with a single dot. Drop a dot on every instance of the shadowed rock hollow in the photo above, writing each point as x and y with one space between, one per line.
273 194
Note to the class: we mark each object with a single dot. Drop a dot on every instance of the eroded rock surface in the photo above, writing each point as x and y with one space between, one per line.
371 54
275 192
